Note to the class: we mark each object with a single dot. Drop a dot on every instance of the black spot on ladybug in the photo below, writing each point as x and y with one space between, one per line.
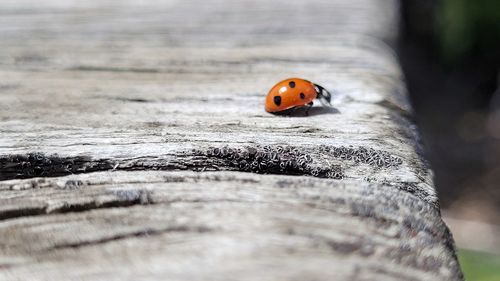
291 84
277 100
302 96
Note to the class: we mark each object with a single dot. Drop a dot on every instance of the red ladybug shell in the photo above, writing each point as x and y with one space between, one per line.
290 93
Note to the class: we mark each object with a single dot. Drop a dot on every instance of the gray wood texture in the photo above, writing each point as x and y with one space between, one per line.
134 145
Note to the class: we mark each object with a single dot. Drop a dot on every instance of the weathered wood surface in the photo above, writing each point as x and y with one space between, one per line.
114 115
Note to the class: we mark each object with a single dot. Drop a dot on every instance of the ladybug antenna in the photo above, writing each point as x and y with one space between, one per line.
324 96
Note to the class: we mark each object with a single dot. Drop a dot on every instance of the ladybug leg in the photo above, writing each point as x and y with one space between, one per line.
324 96
286 112
309 105
293 110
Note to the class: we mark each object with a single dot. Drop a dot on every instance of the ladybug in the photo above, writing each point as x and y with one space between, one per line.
292 93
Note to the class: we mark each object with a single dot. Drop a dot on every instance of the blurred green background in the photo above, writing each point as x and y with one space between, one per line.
479 266
468 29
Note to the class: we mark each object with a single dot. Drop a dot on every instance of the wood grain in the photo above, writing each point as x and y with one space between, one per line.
134 145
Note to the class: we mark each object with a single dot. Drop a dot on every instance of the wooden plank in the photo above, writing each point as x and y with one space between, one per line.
130 134
174 217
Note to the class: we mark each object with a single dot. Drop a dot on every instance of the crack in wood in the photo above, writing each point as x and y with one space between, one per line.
40 165
275 159
283 160
22 212
140 233
123 199
265 160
